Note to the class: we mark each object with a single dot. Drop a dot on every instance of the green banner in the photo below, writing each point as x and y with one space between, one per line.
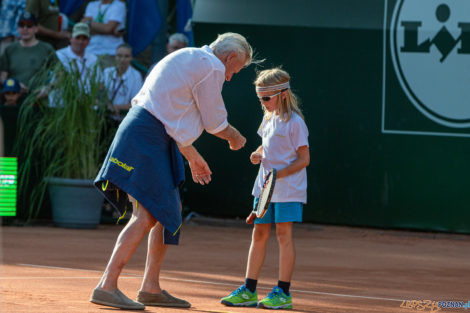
8 186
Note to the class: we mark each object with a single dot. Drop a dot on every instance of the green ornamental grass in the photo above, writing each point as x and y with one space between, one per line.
68 140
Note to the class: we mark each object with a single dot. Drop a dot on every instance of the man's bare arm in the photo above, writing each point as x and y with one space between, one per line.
233 136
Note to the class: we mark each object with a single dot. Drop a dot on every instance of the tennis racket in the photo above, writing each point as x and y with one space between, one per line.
264 197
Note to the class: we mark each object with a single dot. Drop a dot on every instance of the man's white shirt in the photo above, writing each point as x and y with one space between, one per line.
85 66
184 92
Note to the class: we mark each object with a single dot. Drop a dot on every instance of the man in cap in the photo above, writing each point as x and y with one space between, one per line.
75 59
23 59
75 56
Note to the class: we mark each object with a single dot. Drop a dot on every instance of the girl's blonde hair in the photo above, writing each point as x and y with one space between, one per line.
286 105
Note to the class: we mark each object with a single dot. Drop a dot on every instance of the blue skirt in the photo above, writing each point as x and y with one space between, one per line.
144 162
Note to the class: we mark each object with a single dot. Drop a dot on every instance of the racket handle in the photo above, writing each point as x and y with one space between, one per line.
250 218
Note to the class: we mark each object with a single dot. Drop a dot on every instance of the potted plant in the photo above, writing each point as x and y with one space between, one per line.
62 145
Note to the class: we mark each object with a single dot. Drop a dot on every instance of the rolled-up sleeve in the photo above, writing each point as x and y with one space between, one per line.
208 96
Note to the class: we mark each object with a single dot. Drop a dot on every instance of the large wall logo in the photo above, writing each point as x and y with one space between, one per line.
429 46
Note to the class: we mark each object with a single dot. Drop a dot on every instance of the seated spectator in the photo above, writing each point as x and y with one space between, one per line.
106 19
76 56
47 14
11 92
176 41
76 59
23 59
9 108
122 81
10 12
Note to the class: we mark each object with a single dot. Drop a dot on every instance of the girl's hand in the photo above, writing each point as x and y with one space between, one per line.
250 218
256 157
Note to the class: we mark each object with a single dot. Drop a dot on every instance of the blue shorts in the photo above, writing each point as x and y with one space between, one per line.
280 212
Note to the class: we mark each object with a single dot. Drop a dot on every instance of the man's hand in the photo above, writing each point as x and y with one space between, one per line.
233 136
43 92
200 171
64 35
24 89
237 141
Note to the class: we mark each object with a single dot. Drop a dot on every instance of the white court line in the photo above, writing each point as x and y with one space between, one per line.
184 280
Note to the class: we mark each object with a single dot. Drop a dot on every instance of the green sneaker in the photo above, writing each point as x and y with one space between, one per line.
276 299
241 297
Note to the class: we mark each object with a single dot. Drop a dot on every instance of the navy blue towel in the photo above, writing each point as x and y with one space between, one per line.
145 162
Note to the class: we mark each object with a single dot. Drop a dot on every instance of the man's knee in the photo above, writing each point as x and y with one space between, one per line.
144 218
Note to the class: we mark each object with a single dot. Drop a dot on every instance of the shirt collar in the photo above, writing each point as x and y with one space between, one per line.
73 55
124 76
207 49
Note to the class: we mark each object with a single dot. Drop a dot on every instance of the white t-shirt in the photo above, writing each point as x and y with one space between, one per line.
125 91
281 140
114 11
184 92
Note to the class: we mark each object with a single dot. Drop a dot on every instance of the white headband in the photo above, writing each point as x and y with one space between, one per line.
273 87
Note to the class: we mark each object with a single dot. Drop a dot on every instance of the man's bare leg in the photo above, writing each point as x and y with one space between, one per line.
127 242
155 255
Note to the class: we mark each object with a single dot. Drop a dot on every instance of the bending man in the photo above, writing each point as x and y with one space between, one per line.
179 99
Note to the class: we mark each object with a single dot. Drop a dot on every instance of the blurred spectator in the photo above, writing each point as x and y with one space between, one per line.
49 28
9 108
76 55
23 59
11 92
176 42
107 19
10 12
75 59
123 82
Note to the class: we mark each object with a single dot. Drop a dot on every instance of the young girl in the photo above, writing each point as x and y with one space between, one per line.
285 148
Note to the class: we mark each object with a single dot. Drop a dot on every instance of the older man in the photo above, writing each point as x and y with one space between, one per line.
179 99
176 41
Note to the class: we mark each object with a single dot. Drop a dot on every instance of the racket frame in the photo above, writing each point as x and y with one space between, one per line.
271 175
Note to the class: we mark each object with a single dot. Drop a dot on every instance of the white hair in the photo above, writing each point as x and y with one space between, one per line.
232 42
180 37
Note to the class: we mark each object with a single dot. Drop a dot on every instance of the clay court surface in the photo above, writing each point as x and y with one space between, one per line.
338 269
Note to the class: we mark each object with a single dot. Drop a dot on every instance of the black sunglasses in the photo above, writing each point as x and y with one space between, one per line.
268 98
27 25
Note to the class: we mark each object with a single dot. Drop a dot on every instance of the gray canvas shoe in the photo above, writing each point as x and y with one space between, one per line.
115 299
161 299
